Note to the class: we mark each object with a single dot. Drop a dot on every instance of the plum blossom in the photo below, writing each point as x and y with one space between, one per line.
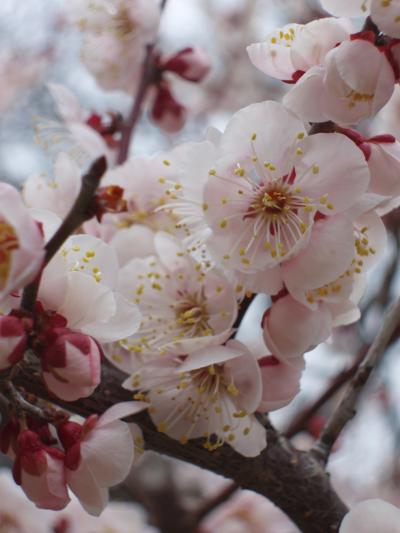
290 51
85 135
386 15
13 339
18 514
71 364
183 309
212 393
146 188
353 83
56 194
382 152
347 8
39 469
281 382
21 242
276 196
79 284
312 313
121 29
90 467
370 516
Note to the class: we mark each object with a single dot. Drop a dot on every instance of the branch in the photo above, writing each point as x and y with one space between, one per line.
79 213
149 76
295 481
346 408
300 421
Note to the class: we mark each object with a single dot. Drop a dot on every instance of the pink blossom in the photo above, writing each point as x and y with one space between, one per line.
79 284
290 51
281 382
371 516
192 64
308 328
212 393
353 83
187 167
39 469
71 364
13 340
90 467
183 308
21 242
146 187
347 8
312 313
56 194
386 15
382 152
76 129
121 29
275 197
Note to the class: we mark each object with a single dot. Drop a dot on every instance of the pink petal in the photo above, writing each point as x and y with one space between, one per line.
281 383
120 410
213 355
327 255
371 516
307 328
343 179
83 484
246 376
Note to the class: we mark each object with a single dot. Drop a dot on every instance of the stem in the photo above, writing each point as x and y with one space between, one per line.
300 422
346 408
295 481
149 76
79 213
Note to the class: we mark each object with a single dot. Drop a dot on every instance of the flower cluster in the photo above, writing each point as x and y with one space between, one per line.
49 459
181 241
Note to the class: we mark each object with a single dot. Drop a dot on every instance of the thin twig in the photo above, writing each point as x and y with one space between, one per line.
300 421
346 408
79 213
149 76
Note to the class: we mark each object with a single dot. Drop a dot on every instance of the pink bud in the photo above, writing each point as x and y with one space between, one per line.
192 64
71 365
13 340
169 114
39 469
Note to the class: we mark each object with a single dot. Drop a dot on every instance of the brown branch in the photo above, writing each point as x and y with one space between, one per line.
79 213
295 481
148 77
346 408
302 418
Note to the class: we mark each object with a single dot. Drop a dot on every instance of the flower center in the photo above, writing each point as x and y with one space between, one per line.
123 26
274 201
8 243
192 318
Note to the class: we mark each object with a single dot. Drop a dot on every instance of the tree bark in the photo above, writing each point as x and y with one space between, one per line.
293 480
